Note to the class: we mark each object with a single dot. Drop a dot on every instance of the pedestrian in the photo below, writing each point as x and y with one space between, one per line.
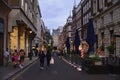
36 52
22 56
48 57
6 57
30 54
41 57
15 59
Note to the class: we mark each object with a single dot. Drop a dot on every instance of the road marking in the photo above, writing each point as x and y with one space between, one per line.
74 66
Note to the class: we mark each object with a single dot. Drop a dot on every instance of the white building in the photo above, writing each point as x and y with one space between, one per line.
55 35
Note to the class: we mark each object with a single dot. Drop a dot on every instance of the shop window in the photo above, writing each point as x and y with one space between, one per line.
112 38
14 39
22 3
26 7
102 36
111 16
1 25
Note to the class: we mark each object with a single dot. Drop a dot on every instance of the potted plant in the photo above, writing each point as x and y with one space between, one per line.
96 59
111 49
102 47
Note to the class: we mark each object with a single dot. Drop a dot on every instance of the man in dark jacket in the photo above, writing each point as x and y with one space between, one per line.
48 56
41 57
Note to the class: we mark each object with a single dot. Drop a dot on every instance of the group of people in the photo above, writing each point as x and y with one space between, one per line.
17 58
42 55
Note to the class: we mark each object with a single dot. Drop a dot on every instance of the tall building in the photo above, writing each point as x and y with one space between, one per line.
77 21
68 31
36 43
55 35
19 25
22 24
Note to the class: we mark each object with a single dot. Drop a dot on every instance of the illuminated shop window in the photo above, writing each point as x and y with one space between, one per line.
22 39
14 39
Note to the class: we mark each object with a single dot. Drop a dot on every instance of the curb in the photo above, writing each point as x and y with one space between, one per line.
77 67
10 75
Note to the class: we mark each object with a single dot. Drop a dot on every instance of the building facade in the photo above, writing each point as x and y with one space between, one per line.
55 35
86 13
107 24
68 31
4 11
37 39
22 24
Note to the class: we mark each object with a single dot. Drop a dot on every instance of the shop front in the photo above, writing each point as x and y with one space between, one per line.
14 39
22 37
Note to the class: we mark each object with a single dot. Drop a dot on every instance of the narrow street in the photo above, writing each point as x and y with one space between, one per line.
58 71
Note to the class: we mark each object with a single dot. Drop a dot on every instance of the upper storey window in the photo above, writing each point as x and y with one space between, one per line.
22 3
26 7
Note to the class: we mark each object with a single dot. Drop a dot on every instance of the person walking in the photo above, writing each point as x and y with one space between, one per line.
41 57
22 56
6 57
48 57
36 52
30 54
15 59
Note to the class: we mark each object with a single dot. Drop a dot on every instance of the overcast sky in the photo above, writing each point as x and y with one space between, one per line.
55 12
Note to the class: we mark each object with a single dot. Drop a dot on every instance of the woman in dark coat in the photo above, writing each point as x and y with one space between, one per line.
41 57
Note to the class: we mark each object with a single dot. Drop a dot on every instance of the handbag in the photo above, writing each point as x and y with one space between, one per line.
18 58
52 61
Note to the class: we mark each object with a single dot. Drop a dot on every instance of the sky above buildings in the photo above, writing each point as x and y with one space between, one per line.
55 12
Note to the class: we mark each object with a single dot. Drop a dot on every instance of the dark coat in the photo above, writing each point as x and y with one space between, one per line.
48 54
41 55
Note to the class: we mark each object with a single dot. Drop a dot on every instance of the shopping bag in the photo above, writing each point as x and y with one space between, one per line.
52 61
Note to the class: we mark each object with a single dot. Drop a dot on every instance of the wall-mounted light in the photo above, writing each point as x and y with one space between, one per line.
30 32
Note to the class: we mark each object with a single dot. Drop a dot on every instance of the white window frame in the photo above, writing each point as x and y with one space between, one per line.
100 4
22 3
94 6
89 3
26 7
111 16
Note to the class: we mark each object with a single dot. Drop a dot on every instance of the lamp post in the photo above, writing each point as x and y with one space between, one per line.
30 38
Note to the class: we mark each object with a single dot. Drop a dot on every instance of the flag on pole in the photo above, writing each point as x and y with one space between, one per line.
68 45
77 41
91 37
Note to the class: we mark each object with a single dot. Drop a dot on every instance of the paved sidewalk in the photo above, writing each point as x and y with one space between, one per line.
6 72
